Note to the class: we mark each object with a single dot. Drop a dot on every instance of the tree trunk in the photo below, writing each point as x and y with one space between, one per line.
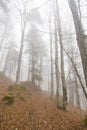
76 90
20 56
71 89
63 76
29 65
62 60
80 36
40 73
79 78
7 60
51 59
56 63
3 37
33 67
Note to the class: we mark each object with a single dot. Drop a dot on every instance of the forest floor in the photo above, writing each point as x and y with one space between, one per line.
34 110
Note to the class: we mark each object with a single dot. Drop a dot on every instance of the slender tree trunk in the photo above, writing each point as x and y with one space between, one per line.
51 59
33 67
79 78
79 10
40 73
71 89
62 60
6 61
3 37
76 90
63 77
48 77
20 55
56 63
2 42
29 64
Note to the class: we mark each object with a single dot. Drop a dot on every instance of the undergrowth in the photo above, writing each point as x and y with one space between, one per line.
85 121
19 88
8 99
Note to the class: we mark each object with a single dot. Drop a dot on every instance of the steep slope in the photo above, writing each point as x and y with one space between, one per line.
36 112
4 82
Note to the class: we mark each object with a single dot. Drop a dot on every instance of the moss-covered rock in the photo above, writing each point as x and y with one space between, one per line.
8 99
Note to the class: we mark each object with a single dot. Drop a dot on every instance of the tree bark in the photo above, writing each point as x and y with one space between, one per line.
51 60
40 73
79 78
7 60
20 55
62 60
3 37
29 65
80 36
76 90
56 63
33 67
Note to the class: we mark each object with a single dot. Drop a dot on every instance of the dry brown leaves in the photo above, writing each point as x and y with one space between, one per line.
37 112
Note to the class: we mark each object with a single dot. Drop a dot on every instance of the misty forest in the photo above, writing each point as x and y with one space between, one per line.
43 65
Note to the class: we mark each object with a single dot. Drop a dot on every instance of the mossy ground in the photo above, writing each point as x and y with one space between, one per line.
85 121
8 99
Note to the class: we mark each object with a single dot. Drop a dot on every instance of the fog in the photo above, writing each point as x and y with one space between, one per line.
32 33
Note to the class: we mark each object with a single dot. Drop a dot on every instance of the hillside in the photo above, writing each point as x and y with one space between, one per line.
34 110
4 83
4 80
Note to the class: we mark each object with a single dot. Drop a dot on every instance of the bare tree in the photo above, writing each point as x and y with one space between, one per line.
23 29
10 57
3 36
70 85
36 51
25 17
3 5
73 80
77 73
77 89
56 54
62 59
51 58
80 36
